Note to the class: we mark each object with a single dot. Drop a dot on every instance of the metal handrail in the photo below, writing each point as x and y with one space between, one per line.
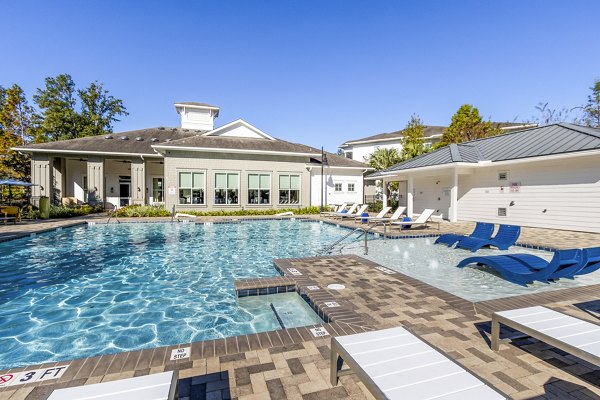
367 234
331 246
113 215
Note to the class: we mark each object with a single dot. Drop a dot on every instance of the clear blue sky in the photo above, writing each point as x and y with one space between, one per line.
316 72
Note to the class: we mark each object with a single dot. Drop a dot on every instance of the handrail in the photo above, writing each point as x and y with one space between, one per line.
331 246
113 215
173 214
367 234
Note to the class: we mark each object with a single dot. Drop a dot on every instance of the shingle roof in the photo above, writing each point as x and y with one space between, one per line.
429 132
535 142
177 137
117 145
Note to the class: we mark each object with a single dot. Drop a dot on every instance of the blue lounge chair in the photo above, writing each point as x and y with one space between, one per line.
483 230
591 260
515 269
507 236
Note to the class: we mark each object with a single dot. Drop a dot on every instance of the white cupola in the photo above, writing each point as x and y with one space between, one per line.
197 115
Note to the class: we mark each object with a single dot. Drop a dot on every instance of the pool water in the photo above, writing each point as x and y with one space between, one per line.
436 265
103 289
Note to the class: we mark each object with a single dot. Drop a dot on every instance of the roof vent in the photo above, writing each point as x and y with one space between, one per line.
139 138
108 137
161 128
124 137
154 139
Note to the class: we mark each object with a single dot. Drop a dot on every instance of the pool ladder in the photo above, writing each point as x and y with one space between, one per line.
365 232
113 214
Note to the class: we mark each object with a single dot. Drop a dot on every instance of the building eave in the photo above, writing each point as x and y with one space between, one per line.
240 151
88 152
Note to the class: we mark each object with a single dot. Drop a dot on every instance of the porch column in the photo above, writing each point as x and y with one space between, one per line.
138 181
95 173
453 210
41 175
410 188
385 196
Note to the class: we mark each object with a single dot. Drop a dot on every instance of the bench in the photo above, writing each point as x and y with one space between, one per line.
162 386
395 364
573 335
11 212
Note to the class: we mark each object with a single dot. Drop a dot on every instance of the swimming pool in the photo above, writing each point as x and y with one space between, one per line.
102 289
436 265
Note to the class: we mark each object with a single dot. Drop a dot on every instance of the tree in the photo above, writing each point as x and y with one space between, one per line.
467 125
549 116
59 120
15 130
383 158
99 110
591 110
412 139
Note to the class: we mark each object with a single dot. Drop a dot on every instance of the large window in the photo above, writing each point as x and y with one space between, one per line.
289 189
259 189
191 188
227 188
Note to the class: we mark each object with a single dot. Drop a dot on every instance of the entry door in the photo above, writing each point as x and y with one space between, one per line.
124 193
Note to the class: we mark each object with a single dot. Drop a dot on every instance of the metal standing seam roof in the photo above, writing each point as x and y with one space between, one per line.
535 142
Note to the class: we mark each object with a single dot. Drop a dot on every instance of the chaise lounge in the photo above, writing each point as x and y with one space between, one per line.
573 335
380 215
423 219
395 364
506 236
526 268
483 230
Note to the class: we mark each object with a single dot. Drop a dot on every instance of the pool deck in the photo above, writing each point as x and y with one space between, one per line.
294 364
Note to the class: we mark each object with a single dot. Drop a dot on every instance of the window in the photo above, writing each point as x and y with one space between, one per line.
337 187
191 187
427 145
289 189
158 190
85 188
227 188
351 187
259 189
348 154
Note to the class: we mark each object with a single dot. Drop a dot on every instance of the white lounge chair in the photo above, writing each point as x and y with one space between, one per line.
395 364
573 335
162 386
423 219
395 216
358 212
351 210
381 214
336 210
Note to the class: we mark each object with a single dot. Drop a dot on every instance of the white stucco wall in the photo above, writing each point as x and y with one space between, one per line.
332 176
361 152
568 190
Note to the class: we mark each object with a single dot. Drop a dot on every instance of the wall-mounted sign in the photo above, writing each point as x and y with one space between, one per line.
515 187
172 190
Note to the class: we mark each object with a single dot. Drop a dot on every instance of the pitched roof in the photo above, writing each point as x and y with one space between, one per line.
115 142
195 103
535 142
177 137
430 132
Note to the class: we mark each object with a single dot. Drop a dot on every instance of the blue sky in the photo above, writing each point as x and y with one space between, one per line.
316 72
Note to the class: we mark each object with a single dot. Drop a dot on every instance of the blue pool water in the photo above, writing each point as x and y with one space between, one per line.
108 288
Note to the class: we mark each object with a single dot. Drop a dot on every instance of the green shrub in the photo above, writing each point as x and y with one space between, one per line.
68 212
376 206
160 211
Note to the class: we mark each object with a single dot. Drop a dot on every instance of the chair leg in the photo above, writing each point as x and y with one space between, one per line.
495 333
335 366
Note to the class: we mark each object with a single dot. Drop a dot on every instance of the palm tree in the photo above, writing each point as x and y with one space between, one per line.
383 158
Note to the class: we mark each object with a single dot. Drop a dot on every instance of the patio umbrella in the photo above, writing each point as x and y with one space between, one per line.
13 182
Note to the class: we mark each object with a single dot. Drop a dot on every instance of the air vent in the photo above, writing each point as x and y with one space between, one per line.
503 176
124 137
139 138
154 139
502 212
108 137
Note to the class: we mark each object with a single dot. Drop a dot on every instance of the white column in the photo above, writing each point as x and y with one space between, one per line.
453 210
138 181
410 188
41 176
95 173
385 196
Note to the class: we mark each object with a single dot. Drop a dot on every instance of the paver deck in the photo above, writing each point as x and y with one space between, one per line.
294 364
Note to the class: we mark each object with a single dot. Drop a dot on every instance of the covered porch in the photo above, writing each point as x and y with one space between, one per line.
113 182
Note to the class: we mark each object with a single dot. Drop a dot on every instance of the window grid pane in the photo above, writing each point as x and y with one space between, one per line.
220 181
295 182
198 180
185 179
